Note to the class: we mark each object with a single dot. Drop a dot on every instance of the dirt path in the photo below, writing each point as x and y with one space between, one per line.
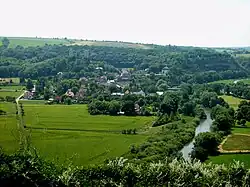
221 150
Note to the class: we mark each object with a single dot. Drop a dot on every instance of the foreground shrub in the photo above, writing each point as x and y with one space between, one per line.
22 169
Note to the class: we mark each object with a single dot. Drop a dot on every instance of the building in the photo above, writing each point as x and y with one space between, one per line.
28 95
165 70
69 93
117 94
125 75
142 93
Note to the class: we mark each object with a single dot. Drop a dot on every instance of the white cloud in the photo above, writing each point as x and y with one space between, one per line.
179 22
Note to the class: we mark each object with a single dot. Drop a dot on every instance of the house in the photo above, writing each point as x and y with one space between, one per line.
125 75
117 94
99 68
81 93
83 80
160 93
28 95
103 79
142 93
137 108
69 93
165 70
110 81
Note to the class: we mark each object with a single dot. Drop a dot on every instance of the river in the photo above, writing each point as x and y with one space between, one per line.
204 126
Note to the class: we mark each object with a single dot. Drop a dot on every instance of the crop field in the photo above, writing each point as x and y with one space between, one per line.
32 42
237 142
64 132
229 158
111 44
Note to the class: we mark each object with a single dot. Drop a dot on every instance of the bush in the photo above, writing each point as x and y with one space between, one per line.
21 169
2 112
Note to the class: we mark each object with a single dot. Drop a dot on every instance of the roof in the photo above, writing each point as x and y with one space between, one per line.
159 93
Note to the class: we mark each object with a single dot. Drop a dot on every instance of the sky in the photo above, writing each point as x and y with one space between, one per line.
210 23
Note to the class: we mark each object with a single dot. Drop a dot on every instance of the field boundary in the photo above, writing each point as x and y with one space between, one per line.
221 150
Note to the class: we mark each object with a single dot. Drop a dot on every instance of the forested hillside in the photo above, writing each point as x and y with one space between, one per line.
194 65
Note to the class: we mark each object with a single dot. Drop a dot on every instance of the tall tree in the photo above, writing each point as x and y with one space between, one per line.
5 42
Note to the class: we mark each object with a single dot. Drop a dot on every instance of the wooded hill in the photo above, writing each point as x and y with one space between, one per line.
194 65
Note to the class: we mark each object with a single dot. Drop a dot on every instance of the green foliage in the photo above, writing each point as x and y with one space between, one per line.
30 170
167 142
205 144
243 111
2 112
68 101
5 42
29 84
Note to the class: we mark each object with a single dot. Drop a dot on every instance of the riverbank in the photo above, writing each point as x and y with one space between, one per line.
204 126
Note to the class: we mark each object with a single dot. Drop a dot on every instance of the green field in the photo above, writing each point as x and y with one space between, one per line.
111 44
61 132
11 87
8 128
10 93
229 158
32 42
237 142
232 101
15 80
231 81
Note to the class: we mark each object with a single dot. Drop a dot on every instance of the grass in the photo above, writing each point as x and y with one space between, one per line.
111 44
14 80
33 42
11 87
228 159
232 101
10 93
8 130
237 142
61 132
231 81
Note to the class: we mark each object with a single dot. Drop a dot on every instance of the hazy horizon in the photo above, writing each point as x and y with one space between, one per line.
205 23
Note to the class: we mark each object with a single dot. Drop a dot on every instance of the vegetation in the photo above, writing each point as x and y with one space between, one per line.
27 170
237 142
62 132
33 42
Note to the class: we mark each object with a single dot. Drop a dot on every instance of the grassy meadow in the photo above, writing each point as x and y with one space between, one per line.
10 93
232 101
231 81
11 87
8 127
33 42
229 158
64 132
